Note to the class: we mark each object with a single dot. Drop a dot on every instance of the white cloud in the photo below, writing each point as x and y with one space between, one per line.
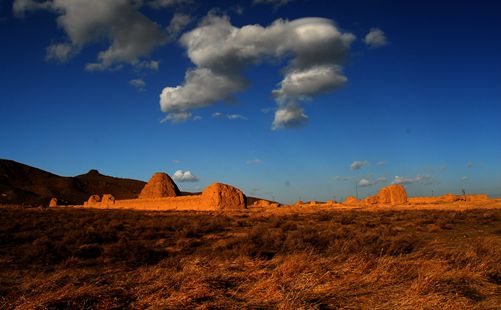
20 7
184 176
222 51
132 35
375 38
381 163
202 87
340 178
177 24
177 117
408 180
289 116
138 84
228 116
61 52
465 178
358 164
369 182
254 161
151 65
275 3
157 4
311 81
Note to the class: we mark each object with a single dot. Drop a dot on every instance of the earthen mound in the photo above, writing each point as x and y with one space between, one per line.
449 198
108 199
351 200
160 185
224 197
394 194
53 202
371 200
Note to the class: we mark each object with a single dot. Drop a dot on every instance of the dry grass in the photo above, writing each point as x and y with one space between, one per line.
111 259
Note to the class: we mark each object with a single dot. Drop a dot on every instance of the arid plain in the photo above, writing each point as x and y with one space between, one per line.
380 252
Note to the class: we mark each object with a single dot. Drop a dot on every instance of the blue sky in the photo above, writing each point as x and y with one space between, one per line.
283 111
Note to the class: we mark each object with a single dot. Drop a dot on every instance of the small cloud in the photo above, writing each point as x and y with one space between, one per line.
138 84
443 168
177 24
469 165
358 164
197 118
465 178
407 180
369 182
177 117
150 65
228 116
60 52
254 161
381 163
275 3
375 38
176 161
266 110
289 116
159 4
342 179
235 116
184 176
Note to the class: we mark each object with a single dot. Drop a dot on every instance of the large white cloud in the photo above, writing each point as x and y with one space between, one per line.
132 35
315 46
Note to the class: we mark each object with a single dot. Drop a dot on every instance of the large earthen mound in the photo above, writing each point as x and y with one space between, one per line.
394 194
160 185
224 197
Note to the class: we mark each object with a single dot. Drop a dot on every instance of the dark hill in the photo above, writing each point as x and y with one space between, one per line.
22 184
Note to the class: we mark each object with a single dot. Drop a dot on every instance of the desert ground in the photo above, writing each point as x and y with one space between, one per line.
299 257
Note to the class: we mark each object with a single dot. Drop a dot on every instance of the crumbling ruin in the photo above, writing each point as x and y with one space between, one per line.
161 193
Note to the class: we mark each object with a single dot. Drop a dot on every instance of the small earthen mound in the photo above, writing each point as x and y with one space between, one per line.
449 198
93 199
160 185
53 202
224 197
394 194
108 199
351 200
372 200
477 197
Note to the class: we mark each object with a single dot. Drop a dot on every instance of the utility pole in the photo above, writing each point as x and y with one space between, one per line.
356 188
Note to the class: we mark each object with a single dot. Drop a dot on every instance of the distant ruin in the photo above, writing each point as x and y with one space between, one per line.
161 193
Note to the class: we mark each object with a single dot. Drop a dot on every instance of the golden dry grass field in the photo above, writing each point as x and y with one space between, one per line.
325 259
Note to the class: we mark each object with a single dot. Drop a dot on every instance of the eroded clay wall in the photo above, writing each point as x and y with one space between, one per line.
195 202
449 198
